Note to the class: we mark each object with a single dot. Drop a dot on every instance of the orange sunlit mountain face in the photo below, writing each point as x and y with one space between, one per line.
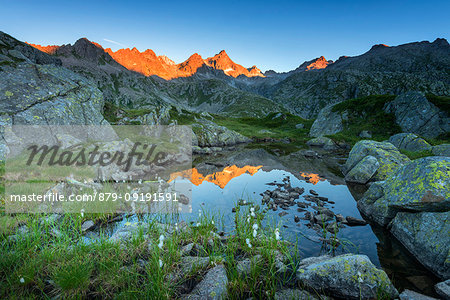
149 64
312 178
220 179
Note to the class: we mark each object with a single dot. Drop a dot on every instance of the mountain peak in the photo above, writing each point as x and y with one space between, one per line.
315 64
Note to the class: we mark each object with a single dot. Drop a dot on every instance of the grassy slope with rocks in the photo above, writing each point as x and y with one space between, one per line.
50 259
367 113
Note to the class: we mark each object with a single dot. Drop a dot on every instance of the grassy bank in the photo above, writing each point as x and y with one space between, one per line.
50 258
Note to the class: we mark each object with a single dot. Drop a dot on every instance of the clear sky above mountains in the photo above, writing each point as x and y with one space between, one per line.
275 35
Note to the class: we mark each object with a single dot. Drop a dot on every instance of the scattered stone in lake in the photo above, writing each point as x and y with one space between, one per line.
282 214
313 192
87 225
233 210
351 221
296 219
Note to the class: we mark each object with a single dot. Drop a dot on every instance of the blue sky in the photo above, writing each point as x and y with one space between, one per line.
276 35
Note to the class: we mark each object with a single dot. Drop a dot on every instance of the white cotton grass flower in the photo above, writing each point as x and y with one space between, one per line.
176 226
198 224
277 234
248 218
255 233
248 243
360 279
255 230
255 226
161 241
22 280
212 222
82 212
160 263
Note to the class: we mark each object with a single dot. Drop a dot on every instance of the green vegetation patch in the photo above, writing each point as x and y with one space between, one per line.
441 102
366 113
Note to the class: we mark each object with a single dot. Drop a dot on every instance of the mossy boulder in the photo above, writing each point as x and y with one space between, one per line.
363 171
441 150
387 155
323 142
421 185
409 142
209 134
427 236
346 276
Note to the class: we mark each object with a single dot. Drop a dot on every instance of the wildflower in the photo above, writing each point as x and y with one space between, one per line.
255 226
160 263
22 280
254 233
198 224
277 234
82 212
199 213
161 241
140 181
252 212
248 243
248 219
360 280
176 226
212 222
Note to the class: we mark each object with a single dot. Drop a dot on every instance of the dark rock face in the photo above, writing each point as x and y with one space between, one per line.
427 236
414 113
9 46
36 90
327 122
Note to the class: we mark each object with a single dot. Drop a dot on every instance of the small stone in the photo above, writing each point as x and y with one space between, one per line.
443 289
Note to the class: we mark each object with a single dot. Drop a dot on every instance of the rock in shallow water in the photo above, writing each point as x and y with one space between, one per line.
348 276
409 142
427 236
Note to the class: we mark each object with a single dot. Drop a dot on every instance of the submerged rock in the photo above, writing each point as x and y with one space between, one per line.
427 236
388 157
348 276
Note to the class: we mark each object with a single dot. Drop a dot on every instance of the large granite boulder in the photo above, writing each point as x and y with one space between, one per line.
427 236
209 134
421 185
414 113
213 285
328 122
409 142
345 276
388 157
